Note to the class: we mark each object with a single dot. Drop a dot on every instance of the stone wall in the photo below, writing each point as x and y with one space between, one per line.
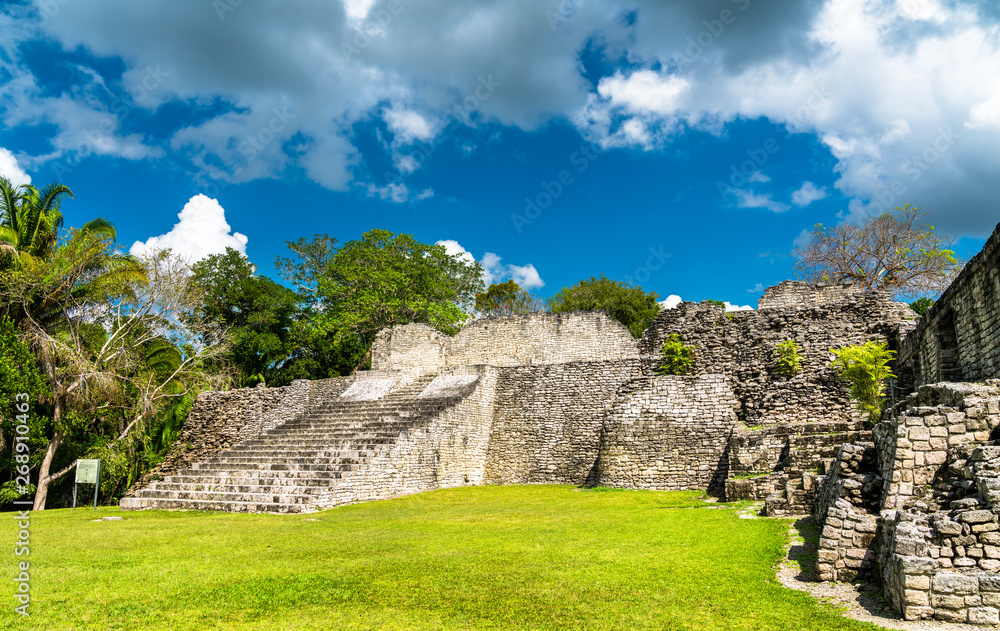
548 420
959 337
523 340
929 429
668 433
741 345
796 294
934 497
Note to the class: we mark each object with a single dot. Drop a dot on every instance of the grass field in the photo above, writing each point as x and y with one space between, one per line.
516 557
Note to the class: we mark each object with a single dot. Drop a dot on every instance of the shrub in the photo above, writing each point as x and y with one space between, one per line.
866 368
789 359
921 305
677 358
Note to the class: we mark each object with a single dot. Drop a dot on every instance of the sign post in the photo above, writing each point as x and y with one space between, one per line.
87 472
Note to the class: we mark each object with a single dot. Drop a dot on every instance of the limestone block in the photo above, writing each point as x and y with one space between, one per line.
947 583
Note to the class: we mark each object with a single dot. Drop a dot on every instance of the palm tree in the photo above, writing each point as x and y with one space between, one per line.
30 219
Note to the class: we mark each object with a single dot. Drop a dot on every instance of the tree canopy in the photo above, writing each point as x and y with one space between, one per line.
381 280
258 313
626 303
895 251
506 299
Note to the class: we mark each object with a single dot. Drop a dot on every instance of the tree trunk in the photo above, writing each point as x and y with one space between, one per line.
42 490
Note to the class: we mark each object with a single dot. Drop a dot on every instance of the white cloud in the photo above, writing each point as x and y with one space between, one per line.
756 289
10 169
671 302
494 271
408 125
759 177
808 193
749 199
643 92
732 307
202 230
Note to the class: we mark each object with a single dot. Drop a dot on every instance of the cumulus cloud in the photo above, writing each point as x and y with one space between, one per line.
808 193
494 270
10 169
671 301
731 307
201 231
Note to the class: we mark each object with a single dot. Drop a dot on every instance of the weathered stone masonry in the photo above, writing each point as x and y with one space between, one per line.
959 337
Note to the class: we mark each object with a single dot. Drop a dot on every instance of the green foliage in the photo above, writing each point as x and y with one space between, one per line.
717 303
19 375
678 359
894 251
865 368
258 312
29 220
379 281
626 303
789 361
921 305
506 299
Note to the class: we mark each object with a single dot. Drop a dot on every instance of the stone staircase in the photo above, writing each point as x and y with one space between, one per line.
811 453
287 468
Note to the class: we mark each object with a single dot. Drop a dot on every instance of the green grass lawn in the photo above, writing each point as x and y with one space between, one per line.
515 557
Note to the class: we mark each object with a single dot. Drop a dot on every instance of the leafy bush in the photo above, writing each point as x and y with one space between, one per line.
717 303
921 305
677 358
789 359
866 368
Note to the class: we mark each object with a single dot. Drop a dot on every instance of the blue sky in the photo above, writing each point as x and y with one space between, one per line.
685 146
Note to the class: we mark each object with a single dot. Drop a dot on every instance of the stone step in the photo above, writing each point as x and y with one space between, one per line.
272 466
254 473
147 503
213 496
209 480
243 489
281 459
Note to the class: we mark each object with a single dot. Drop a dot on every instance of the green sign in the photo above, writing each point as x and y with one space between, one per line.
86 471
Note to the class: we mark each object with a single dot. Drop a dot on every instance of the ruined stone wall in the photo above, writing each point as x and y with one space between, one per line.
668 433
797 294
548 420
522 340
741 345
219 420
959 337
929 430
448 451
934 497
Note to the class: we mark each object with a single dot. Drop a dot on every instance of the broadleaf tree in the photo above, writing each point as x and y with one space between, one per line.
624 302
379 281
896 251
507 299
